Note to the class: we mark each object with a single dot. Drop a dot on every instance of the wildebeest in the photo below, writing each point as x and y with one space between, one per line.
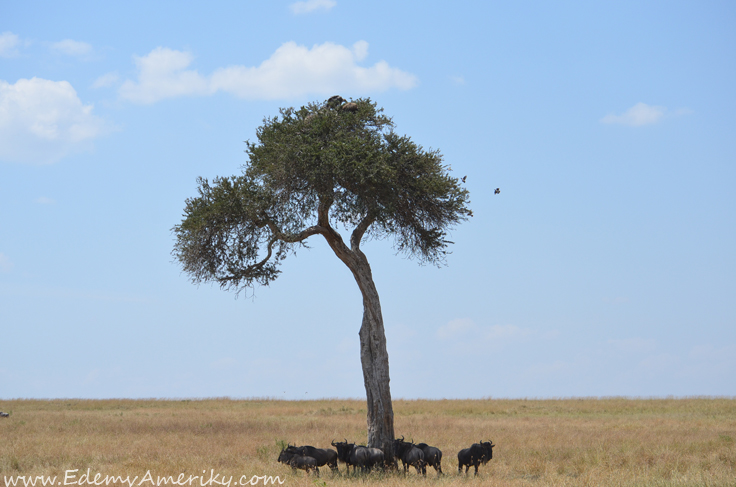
358 456
432 456
323 456
295 461
305 463
410 455
478 453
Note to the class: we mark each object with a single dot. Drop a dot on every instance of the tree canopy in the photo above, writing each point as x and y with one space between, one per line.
325 166
312 170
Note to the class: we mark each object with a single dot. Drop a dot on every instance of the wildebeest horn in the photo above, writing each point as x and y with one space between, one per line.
333 443
402 437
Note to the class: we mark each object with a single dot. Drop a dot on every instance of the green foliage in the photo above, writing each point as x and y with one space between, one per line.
310 170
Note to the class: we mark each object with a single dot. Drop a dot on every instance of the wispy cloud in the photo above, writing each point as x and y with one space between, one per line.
8 43
633 345
464 328
72 48
458 80
291 71
311 5
638 115
43 200
5 263
457 328
106 80
506 331
41 121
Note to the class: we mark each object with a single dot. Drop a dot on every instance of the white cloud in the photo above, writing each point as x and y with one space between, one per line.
638 115
311 5
106 80
72 48
8 41
5 264
43 200
162 75
41 121
290 72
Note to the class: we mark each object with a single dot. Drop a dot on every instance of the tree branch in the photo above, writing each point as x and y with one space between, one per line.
249 270
360 230
323 211
293 237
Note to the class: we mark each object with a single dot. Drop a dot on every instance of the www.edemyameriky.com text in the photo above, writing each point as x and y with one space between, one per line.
89 478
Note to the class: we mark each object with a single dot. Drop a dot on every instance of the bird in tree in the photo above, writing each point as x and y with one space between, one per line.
314 172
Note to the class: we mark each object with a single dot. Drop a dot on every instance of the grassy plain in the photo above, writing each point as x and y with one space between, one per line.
566 442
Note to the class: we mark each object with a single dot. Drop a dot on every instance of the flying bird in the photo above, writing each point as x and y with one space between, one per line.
463 179
498 191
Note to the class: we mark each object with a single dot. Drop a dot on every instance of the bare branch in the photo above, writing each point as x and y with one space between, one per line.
360 230
323 211
293 237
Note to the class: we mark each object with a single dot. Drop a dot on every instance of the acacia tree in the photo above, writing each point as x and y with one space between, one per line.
313 171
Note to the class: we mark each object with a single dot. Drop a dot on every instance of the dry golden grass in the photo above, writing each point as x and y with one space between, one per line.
569 442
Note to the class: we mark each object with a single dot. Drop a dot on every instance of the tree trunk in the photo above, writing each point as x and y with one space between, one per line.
374 359
373 353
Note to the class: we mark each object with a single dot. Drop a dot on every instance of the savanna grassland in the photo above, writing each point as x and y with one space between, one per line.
567 442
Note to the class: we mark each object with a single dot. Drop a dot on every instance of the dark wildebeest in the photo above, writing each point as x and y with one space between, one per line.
323 456
410 455
304 463
358 456
295 461
432 456
285 456
478 453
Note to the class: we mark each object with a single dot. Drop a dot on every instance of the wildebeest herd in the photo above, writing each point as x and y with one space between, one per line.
419 455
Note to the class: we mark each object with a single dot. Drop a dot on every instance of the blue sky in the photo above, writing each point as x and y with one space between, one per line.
606 265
